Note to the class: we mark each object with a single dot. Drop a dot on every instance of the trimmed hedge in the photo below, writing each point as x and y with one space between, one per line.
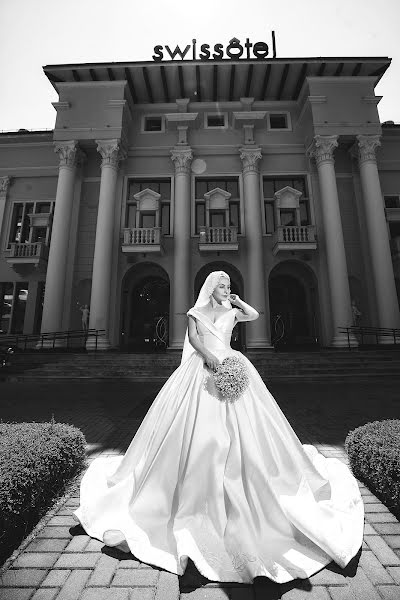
374 454
37 461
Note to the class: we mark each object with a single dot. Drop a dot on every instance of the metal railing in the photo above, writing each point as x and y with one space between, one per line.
376 333
35 341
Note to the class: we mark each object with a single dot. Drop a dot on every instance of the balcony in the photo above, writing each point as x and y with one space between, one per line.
142 239
218 239
28 255
301 237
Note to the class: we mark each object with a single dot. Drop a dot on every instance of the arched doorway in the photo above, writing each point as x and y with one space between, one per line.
145 309
293 306
238 333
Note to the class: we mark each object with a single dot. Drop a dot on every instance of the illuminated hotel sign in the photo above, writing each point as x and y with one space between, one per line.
234 50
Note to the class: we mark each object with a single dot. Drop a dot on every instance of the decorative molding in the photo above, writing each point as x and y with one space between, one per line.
69 153
182 158
250 158
111 151
367 145
322 148
372 99
4 185
61 105
317 99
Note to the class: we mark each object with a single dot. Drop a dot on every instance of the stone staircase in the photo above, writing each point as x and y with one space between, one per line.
281 366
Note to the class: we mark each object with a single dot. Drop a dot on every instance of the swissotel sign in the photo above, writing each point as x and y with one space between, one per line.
234 50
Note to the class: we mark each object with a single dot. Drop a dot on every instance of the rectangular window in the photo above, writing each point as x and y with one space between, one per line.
160 186
6 302
13 299
153 124
130 215
217 218
234 215
278 121
21 231
216 120
288 217
200 216
165 218
19 307
392 201
147 220
269 217
274 184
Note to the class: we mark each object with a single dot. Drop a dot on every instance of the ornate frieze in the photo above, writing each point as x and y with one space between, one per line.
182 159
4 185
250 158
322 148
367 145
69 153
111 151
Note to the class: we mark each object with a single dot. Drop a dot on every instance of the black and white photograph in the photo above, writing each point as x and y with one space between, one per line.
199 300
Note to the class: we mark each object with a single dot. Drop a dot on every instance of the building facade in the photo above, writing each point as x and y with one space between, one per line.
276 171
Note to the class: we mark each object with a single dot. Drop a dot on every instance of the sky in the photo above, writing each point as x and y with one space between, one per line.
35 33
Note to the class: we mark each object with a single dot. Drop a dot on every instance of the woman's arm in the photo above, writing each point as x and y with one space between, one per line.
209 358
249 313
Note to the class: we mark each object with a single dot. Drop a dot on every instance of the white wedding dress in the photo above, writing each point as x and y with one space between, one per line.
228 485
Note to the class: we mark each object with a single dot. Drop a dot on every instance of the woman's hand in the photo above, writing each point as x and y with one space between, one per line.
211 361
234 299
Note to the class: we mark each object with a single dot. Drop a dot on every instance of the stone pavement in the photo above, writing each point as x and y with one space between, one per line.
60 562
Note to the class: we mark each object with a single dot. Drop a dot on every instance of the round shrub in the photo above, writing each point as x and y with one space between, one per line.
374 454
37 460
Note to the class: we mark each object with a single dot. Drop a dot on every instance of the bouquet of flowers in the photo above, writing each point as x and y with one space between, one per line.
231 378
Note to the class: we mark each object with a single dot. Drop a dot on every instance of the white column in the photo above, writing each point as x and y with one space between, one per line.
111 153
4 185
381 259
322 150
256 331
181 284
53 304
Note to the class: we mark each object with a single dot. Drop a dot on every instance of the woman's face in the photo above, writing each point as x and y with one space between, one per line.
222 291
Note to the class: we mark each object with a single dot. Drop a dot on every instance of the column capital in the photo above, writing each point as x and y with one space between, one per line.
112 152
250 158
322 148
4 185
182 158
69 153
367 145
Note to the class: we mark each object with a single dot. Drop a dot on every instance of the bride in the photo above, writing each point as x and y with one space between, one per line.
227 484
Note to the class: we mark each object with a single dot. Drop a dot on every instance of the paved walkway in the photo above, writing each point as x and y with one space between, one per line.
60 562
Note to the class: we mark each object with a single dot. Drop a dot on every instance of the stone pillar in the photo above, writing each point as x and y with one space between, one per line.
111 153
322 150
257 331
53 304
381 259
4 185
181 284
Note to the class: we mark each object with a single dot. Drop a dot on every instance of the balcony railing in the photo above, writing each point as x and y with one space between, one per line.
25 254
142 239
301 237
218 238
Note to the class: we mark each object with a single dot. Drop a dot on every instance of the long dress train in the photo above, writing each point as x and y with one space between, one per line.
227 484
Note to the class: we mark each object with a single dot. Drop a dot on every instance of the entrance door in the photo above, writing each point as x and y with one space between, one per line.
291 321
147 323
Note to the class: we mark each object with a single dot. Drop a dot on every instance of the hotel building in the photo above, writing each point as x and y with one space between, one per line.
277 171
